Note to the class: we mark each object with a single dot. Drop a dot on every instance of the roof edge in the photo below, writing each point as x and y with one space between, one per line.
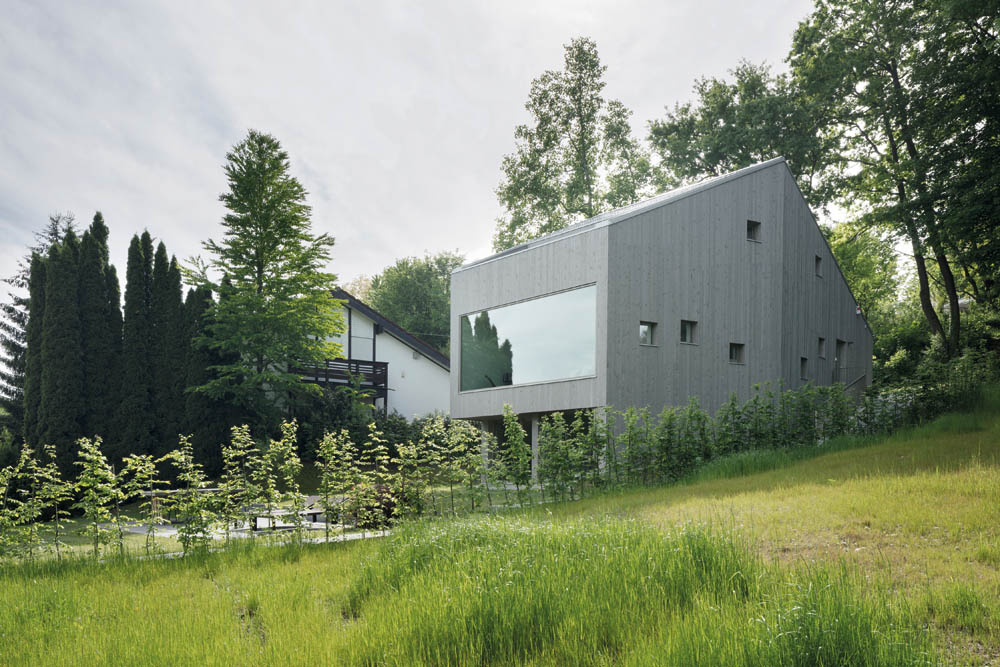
398 332
625 212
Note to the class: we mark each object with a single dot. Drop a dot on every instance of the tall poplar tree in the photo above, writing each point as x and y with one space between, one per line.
135 416
279 313
167 349
100 331
61 408
576 158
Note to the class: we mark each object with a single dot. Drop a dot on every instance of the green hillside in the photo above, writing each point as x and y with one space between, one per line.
878 552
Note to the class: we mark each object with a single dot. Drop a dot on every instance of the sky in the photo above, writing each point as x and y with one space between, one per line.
395 115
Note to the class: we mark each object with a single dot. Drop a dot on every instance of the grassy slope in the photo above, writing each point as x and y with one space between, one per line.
919 514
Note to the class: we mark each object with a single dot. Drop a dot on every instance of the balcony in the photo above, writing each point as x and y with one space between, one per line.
373 376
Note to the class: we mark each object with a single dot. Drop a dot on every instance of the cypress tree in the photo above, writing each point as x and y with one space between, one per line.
62 406
135 417
14 327
204 417
167 349
33 350
100 332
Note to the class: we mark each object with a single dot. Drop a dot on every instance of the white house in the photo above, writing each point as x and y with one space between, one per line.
404 374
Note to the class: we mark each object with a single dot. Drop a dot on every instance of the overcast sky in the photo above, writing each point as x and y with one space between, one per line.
395 114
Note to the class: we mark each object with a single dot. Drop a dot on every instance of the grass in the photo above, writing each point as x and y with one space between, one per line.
858 552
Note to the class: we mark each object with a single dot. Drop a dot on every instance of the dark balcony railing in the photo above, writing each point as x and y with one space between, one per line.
373 376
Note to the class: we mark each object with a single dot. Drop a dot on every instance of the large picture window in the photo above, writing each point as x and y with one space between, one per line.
549 338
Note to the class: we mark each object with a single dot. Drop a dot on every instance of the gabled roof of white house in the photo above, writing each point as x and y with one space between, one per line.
624 213
393 329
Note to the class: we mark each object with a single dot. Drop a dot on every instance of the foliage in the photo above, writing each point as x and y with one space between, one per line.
238 487
517 461
100 332
337 458
97 491
415 293
14 329
288 466
731 125
61 403
168 348
192 505
277 312
577 156
135 414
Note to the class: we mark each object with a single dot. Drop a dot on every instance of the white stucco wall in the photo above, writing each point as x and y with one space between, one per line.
417 385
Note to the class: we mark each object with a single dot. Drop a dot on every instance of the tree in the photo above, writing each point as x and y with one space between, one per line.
278 313
33 350
206 418
575 158
416 294
61 406
135 416
886 72
731 125
870 266
100 332
14 326
96 489
168 348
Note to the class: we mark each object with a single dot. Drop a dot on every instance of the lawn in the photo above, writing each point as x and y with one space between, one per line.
859 552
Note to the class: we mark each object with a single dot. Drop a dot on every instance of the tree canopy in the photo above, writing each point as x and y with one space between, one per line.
415 293
576 158
276 312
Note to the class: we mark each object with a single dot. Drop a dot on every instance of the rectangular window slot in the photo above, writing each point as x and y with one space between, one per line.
821 348
804 368
688 331
647 333
736 354
753 230
819 266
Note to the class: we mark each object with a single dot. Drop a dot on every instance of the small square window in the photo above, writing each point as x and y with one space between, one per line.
819 266
821 348
753 230
736 353
804 368
647 333
688 331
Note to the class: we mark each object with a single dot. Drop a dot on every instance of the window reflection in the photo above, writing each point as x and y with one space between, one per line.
549 338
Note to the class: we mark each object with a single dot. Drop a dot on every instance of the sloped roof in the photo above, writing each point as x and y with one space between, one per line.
394 329
619 214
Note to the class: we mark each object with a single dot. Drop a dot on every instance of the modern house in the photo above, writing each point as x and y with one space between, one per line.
701 291
401 372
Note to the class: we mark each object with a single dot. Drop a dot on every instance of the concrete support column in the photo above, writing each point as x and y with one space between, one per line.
535 420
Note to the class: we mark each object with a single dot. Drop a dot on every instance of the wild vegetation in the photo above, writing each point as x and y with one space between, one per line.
875 551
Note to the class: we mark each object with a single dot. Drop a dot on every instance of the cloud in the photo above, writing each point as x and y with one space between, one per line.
395 115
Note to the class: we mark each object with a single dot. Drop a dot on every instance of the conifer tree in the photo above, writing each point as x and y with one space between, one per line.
100 331
33 349
166 352
61 407
135 417
13 328
208 419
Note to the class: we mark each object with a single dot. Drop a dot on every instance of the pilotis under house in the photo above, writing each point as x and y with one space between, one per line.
401 372
702 291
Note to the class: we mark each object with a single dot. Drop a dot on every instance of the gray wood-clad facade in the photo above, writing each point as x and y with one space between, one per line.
683 255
